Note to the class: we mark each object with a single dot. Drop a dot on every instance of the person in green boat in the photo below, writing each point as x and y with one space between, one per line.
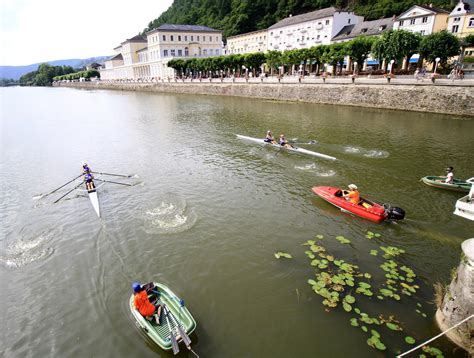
449 175
143 304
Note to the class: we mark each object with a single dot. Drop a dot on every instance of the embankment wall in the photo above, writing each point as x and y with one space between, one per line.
456 100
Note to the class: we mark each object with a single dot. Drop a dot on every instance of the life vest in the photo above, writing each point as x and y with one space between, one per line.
142 304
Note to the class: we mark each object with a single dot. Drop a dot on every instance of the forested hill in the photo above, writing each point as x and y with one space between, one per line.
239 16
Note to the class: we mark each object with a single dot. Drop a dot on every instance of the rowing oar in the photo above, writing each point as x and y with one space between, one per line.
62 186
77 186
115 175
310 142
182 333
174 343
113 182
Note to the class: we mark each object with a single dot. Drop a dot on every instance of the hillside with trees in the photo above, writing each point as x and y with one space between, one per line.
239 16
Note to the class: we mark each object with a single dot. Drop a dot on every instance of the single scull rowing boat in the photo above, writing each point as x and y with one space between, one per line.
293 149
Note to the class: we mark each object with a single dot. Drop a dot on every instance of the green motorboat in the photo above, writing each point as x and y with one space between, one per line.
439 182
176 322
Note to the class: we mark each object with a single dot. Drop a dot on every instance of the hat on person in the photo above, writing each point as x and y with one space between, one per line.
352 186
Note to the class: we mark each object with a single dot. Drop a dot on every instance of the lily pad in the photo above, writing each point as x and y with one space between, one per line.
319 237
343 240
374 252
312 282
354 322
347 307
349 299
409 340
364 328
283 254
393 326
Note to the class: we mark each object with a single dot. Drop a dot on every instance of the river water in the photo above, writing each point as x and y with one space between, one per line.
205 216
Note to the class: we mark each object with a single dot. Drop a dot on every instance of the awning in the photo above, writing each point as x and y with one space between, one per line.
414 58
371 62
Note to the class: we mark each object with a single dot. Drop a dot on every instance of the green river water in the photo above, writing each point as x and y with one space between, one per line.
206 217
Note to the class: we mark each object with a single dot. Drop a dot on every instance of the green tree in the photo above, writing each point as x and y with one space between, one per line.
442 45
359 49
335 55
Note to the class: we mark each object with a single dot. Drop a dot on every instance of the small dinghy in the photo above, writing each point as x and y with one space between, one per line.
176 322
365 208
440 182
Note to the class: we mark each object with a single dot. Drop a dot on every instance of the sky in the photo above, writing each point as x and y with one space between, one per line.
33 31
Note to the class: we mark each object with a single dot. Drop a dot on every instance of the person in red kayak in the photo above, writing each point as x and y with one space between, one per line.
353 194
143 304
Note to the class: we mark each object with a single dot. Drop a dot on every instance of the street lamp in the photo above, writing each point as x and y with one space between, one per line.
437 59
391 65
355 67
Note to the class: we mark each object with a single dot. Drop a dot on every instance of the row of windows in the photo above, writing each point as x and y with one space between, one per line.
185 38
179 52
424 20
327 22
248 40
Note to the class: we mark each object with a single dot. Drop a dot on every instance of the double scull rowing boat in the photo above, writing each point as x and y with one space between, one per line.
293 149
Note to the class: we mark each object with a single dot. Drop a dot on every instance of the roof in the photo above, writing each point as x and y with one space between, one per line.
426 7
309 16
116 57
469 6
366 28
247 34
137 38
188 28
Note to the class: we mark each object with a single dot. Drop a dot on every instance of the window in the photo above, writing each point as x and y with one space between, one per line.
173 53
164 37
172 38
422 32
424 19
179 37
457 19
204 52
186 52
180 53
349 21
401 23
327 22
165 53
210 52
192 38
455 29
185 38
217 38
198 37
412 22
471 22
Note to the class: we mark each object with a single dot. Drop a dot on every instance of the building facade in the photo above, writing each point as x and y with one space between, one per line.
310 29
145 57
421 19
255 41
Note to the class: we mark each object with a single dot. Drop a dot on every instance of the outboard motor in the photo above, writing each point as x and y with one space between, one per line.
394 213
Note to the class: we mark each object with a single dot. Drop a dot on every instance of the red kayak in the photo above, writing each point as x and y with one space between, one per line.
365 208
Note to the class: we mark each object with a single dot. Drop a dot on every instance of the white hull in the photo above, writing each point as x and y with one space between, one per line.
294 150
465 208
94 201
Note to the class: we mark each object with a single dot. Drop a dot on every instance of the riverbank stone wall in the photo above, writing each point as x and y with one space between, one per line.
458 302
457 100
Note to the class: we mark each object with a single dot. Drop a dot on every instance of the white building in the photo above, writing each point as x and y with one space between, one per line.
142 57
249 42
461 19
310 29
171 41
422 19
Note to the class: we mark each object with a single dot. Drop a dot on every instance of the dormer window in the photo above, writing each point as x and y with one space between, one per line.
363 30
382 27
